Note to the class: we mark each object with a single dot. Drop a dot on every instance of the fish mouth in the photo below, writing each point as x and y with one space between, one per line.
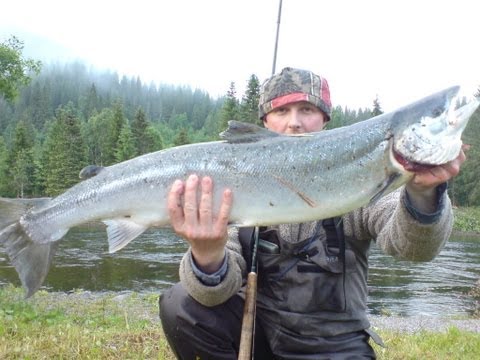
411 165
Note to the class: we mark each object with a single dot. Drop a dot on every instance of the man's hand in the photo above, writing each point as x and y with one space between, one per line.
421 188
193 219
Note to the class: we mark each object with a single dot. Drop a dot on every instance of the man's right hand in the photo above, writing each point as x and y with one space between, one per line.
193 219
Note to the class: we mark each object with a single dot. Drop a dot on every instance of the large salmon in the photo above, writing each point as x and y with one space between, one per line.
274 178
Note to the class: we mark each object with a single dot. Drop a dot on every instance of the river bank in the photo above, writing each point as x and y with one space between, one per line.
144 307
115 325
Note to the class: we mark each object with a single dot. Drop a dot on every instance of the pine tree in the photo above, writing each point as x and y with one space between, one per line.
249 105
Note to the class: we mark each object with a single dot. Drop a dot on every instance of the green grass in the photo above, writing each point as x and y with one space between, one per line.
452 345
126 326
467 219
80 327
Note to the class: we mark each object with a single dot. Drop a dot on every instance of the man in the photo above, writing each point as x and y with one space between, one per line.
312 285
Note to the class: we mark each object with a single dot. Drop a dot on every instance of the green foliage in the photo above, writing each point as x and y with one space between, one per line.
159 117
64 152
465 188
20 161
115 127
125 148
453 344
181 138
139 131
230 108
249 104
112 326
80 326
178 121
377 108
4 183
467 219
14 69
97 139
90 103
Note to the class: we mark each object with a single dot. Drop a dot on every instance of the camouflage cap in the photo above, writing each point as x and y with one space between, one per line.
292 85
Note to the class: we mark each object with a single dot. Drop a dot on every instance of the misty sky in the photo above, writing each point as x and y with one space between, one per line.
398 50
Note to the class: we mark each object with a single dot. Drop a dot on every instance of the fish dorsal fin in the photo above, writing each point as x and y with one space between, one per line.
240 132
90 171
121 231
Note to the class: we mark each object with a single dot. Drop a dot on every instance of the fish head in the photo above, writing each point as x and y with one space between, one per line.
428 132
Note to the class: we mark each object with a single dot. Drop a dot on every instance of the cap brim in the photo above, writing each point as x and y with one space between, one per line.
288 99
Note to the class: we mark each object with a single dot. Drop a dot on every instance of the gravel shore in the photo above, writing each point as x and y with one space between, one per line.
422 323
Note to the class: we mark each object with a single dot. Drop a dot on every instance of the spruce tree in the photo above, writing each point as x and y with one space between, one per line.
64 152
139 132
181 138
377 109
91 103
230 106
125 148
20 161
114 129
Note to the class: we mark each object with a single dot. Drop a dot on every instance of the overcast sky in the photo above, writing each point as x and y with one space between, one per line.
398 50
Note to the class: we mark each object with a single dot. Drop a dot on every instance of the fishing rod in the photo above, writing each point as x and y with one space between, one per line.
247 336
276 37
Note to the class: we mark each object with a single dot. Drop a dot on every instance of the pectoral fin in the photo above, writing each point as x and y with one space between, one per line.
121 231
384 187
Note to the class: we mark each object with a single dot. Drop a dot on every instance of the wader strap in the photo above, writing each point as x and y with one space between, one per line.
336 241
245 236
335 236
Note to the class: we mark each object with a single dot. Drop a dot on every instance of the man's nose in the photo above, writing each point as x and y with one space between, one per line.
294 121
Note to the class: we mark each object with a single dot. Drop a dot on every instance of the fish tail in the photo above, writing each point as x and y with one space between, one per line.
31 260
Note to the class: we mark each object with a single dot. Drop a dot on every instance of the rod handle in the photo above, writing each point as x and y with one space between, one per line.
248 322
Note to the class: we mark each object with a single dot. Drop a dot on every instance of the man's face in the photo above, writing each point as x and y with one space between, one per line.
295 118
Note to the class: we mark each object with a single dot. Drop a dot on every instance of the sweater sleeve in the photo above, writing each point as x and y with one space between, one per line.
232 280
399 230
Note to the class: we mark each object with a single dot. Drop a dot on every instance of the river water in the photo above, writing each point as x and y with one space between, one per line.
150 263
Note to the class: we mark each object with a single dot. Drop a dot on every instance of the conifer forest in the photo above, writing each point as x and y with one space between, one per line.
69 116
